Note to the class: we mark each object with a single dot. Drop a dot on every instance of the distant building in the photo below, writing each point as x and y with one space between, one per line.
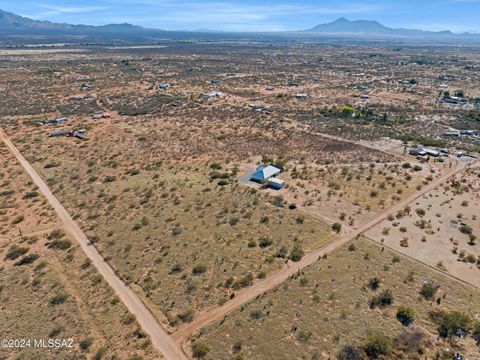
451 133
431 152
79 136
468 132
267 173
97 115
86 87
212 94
422 151
257 106
61 133
57 121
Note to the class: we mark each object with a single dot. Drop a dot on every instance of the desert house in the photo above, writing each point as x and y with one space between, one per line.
267 174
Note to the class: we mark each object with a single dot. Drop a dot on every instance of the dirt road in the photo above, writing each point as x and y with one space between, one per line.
158 335
291 268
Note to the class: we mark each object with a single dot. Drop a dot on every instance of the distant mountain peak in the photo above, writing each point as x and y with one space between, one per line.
12 21
343 26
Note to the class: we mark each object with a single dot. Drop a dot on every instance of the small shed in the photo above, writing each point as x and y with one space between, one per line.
275 183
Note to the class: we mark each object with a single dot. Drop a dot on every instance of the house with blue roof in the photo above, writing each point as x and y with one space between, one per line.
267 173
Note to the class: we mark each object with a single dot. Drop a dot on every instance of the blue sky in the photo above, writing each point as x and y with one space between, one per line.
251 15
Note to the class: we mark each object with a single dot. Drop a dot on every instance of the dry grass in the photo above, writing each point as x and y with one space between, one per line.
48 289
328 303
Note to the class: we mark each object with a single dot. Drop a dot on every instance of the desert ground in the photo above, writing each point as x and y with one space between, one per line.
49 289
440 228
150 150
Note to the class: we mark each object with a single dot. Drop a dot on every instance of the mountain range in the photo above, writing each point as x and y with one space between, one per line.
366 27
15 28
12 22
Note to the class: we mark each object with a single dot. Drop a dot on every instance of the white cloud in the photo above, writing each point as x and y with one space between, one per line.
55 10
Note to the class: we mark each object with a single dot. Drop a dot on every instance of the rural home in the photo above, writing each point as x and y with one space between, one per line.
267 173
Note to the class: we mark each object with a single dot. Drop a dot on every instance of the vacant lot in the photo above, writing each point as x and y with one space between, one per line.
185 236
328 306
48 289
441 229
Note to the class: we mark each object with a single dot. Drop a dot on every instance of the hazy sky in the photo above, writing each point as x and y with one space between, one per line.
251 15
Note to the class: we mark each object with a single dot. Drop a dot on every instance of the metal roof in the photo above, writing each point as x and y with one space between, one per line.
265 172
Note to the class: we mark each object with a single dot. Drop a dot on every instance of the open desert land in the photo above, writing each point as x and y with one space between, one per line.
150 150
332 309
441 229
155 186
49 289
352 194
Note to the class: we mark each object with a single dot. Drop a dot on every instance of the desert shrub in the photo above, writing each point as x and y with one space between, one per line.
30 195
476 331
177 230
465 229
264 242
128 318
374 283
199 269
56 234
297 253
187 315
18 219
406 315
244 281
215 166
282 252
350 352
304 335
420 212
58 299
337 227
176 268
234 220
264 220
86 343
27 259
200 349
451 323
378 345
428 291
15 252
60 244
262 274
55 331
100 353
252 243
385 298
257 314
410 342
